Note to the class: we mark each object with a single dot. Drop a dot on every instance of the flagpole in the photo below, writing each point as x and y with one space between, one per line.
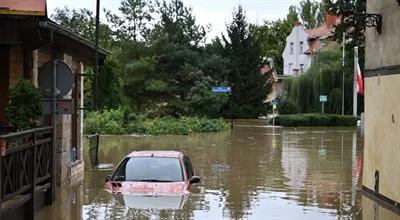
343 56
355 82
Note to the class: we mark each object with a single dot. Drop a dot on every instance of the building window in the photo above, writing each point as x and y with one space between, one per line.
301 68
290 68
301 47
323 43
291 47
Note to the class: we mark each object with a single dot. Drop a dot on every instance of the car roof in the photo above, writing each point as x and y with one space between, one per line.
172 154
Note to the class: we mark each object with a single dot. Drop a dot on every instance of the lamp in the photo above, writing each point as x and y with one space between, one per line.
372 20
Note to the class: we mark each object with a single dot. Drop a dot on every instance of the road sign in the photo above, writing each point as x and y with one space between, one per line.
323 98
221 89
64 106
275 101
64 78
274 106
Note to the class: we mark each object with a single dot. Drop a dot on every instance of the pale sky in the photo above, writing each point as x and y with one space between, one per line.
214 12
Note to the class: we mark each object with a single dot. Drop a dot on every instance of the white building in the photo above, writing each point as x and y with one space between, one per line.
302 43
294 59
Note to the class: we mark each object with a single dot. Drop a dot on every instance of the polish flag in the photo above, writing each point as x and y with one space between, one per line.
360 81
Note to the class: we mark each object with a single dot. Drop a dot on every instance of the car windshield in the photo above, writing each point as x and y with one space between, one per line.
149 169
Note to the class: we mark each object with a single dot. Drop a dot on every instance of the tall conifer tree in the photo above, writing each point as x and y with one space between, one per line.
244 51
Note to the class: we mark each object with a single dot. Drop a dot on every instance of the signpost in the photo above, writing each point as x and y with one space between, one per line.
323 99
224 89
55 80
274 103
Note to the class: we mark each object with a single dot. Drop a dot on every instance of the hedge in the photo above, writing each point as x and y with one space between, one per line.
295 120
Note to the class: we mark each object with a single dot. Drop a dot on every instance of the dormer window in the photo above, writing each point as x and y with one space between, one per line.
291 47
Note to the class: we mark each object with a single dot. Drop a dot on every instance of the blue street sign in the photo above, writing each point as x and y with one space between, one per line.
323 98
221 89
275 101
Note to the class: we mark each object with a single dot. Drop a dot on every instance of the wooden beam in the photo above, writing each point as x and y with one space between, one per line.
21 12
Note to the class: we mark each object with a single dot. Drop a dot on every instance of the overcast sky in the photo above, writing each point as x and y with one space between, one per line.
214 12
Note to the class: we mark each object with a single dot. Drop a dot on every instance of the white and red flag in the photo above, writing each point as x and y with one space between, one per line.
360 81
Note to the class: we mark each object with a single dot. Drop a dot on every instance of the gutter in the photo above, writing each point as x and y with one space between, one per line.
63 31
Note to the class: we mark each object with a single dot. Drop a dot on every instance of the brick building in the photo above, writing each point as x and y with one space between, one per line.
28 39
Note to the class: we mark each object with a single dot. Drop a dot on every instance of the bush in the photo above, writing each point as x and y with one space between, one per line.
25 105
106 122
117 122
287 107
203 102
316 120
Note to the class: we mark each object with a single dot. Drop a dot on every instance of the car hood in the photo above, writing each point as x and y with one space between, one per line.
147 188
162 202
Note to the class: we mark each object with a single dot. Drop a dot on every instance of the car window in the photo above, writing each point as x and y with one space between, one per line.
153 169
188 166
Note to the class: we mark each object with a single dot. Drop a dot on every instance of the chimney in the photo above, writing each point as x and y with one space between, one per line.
331 20
297 23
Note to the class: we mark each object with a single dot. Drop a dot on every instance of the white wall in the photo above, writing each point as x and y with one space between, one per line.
297 58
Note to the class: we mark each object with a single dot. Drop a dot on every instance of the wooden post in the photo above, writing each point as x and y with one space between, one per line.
31 205
1 181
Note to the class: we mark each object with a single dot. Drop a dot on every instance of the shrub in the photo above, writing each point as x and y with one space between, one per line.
117 122
316 120
24 107
106 122
287 107
203 102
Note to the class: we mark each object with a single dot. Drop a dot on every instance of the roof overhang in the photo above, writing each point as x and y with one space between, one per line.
73 44
38 32
23 8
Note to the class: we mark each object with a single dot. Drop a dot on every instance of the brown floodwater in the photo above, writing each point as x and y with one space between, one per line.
252 172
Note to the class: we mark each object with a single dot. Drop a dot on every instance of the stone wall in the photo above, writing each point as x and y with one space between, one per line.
69 132
382 102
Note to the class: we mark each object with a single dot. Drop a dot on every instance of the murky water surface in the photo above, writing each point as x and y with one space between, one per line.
252 172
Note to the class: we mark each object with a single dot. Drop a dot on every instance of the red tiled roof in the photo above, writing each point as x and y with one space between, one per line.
22 7
326 30
320 32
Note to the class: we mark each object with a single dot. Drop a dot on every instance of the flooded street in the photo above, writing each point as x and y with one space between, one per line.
253 172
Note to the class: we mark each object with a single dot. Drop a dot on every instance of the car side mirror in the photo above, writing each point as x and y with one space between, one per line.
194 179
108 178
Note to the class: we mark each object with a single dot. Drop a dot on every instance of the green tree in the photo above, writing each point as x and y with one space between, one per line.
179 24
272 37
293 15
133 24
203 102
312 13
322 78
143 84
82 22
249 87
25 105
352 24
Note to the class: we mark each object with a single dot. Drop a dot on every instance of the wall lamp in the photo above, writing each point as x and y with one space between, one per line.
372 20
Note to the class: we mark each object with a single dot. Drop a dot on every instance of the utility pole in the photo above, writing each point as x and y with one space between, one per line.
343 62
96 56
355 82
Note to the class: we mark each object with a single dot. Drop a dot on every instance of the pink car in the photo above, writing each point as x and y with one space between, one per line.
153 173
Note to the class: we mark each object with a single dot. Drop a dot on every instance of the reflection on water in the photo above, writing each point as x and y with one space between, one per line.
251 172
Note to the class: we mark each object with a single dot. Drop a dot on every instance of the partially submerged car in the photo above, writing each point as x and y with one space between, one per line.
153 173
